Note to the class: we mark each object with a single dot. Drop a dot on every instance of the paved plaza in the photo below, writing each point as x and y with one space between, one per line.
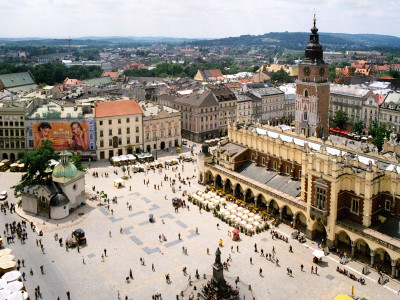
86 276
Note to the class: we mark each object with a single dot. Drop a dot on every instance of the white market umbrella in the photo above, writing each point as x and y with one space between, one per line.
251 215
12 276
256 223
3 284
245 217
237 220
6 251
20 295
199 193
14 286
250 220
232 217
318 253
227 213
217 197
233 211
209 193
4 294
216 201
240 209
243 223
239 214
257 218
222 210
249 226
7 264
235 205
7 257
246 212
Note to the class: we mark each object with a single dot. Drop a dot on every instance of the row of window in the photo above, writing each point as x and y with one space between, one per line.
12 132
154 134
110 141
110 131
11 123
119 121
12 145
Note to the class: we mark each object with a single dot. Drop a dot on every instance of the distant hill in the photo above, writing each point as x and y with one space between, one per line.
297 40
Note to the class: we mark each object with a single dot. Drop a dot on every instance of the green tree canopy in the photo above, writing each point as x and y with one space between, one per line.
281 76
36 162
340 119
358 127
379 132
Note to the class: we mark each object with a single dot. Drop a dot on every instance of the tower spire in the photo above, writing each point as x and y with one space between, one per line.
315 19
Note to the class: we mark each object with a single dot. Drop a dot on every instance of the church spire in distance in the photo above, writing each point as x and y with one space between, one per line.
314 53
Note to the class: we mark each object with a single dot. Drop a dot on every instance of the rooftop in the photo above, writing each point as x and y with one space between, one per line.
117 108
17 79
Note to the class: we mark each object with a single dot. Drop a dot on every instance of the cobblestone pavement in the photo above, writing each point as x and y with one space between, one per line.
95 279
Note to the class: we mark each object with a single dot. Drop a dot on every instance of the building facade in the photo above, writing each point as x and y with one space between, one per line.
312 91
12 131
119 128
161 127
350 100
389 112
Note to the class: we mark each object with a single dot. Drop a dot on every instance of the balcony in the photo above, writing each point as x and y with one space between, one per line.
319 214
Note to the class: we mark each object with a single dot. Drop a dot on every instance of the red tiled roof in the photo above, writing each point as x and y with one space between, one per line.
379 98
70 81
245 80
117 108
110 74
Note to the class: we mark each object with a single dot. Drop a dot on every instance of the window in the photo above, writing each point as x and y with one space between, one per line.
321 198
306 93
119 121
128 140
305 116
354 206
127 120
137 139
137 119
169 132
100 123
263 160
119 141
101 133
387 205
109 122
253 158
101 143
119 130
287 170
275 165
147 135
128 130
109 131
110 142
137 129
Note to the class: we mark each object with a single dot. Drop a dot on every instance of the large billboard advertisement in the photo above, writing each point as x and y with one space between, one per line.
75 135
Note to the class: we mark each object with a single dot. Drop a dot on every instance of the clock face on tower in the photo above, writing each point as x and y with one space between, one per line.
306 71
322 72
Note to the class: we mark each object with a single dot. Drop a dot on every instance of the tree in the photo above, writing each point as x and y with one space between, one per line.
340 119
281 76
76 160
379 132
358 127
36 162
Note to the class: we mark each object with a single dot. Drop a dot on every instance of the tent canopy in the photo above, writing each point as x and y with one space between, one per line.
318 253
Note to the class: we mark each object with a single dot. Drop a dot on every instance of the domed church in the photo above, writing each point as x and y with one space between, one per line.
63 190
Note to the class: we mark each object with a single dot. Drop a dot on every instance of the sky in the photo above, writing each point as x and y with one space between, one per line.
193 18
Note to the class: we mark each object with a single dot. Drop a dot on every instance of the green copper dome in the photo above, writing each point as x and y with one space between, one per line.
65 168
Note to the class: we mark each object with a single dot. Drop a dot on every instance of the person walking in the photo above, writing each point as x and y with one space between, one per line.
102 257
152 268
130 273
312 269
105 252
251 260
301 267
179 235
260 272
316 270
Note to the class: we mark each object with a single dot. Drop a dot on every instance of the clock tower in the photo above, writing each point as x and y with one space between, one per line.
312 91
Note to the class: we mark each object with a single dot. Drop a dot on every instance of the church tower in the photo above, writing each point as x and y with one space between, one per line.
312 91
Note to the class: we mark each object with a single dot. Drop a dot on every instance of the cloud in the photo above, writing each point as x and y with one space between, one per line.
188 18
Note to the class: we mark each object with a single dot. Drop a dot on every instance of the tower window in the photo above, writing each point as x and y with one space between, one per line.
305 116
305 93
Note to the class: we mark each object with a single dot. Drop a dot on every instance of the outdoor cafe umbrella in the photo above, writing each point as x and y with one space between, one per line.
5 251
246 211
151 215
20 295
318 253
256 223
235 230
3 284
249 226
221 211
232 217
237 220
7 264
235 205
4 294
14 286
240 209
243 223
12 276
257 218
7 257
240 214
227 213
245 217
250 220
233 211
251 215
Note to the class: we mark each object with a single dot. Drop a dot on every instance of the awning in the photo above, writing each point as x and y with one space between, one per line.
318 253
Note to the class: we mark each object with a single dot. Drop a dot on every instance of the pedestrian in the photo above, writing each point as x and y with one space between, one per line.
301 267
130 273
255 247
23 262
23 276
109 233
41 269
312 269
237 248
218 226
31 272
152 268
179 235
197 230
290 249
83 260
316 270
118 295
262 252
105 252
120 230
102 257
260 272
208 251
251 260
112 211
273 249
232 248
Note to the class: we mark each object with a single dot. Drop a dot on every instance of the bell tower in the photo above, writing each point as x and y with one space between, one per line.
312 90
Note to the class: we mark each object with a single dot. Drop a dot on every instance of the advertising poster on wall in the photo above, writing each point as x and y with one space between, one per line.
76 135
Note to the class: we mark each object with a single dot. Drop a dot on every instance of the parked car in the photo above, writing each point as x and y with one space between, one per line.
3 195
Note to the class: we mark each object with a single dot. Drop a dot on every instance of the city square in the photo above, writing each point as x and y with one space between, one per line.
87 276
